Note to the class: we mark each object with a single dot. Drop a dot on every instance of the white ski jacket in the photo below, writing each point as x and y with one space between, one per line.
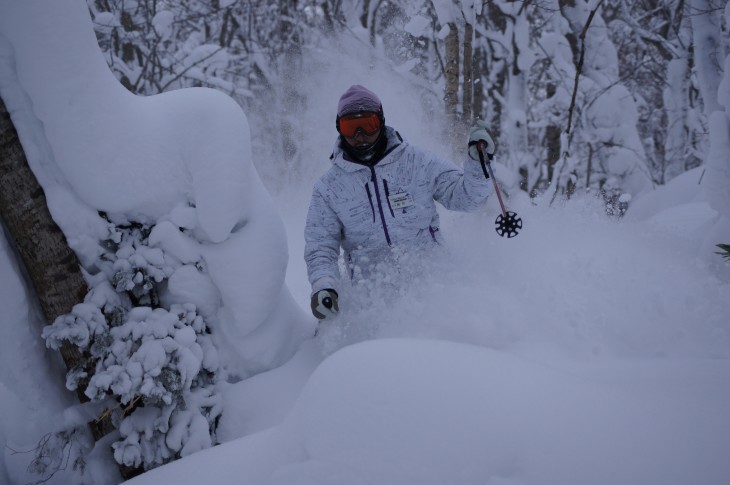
368 211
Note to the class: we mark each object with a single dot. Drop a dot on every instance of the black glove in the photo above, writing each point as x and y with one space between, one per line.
324 304
479 133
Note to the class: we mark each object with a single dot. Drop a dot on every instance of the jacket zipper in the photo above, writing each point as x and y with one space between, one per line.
380 205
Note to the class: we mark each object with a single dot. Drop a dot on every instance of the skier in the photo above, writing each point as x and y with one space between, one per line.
379 195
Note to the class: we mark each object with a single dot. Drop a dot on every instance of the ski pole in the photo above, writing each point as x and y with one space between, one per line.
507 223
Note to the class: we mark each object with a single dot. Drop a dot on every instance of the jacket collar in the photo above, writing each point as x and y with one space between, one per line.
394 144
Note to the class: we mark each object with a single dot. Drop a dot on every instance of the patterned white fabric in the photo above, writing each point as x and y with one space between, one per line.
371 211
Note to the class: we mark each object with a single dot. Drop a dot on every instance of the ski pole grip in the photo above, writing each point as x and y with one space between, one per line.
482 147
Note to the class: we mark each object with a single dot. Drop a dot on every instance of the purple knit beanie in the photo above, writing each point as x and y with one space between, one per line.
356 99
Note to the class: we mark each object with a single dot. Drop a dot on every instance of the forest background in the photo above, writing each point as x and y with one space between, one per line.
612 98
534 70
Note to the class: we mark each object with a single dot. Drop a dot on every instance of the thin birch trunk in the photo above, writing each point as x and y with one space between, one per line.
468 86
451 89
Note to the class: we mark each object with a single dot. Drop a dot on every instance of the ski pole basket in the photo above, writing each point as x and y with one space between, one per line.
508 223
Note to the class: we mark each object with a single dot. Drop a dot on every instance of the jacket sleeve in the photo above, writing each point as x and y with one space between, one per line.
322 235
461 190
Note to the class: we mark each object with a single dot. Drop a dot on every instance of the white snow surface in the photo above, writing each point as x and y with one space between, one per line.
182 156
418 411
585 350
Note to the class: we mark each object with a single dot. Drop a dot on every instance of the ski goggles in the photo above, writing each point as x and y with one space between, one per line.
367 123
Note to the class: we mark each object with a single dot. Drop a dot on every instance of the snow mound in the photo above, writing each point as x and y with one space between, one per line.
432 412
181 160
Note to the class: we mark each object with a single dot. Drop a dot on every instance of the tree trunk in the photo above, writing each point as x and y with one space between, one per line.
552 140
478 76
371 16
468 88
365 13
451 88
496 86
706 18
293 101
52 266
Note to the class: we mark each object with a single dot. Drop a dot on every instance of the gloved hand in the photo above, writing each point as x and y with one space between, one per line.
324 304
479 133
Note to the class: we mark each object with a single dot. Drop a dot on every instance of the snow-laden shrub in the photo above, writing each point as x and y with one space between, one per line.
137 268
724 251
158 363
60 453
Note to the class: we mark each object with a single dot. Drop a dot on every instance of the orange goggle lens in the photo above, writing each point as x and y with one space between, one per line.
368 123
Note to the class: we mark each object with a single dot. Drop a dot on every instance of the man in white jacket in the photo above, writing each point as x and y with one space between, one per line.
379 196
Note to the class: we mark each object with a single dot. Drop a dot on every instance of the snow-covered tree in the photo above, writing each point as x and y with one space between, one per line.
713 65
636 119
654 42
177 200
156 361
157 46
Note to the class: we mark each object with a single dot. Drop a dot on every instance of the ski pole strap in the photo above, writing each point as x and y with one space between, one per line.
487 168
480 148
484 165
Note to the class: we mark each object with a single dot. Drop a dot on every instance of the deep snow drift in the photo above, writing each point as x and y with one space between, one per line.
586 350
432 412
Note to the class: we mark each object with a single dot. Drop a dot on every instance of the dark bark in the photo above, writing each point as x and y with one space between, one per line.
581 56
451 87
451 56
53 268
479 73
495 20
578 71
468 75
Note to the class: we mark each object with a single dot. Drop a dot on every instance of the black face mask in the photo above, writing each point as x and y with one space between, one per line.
369 155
